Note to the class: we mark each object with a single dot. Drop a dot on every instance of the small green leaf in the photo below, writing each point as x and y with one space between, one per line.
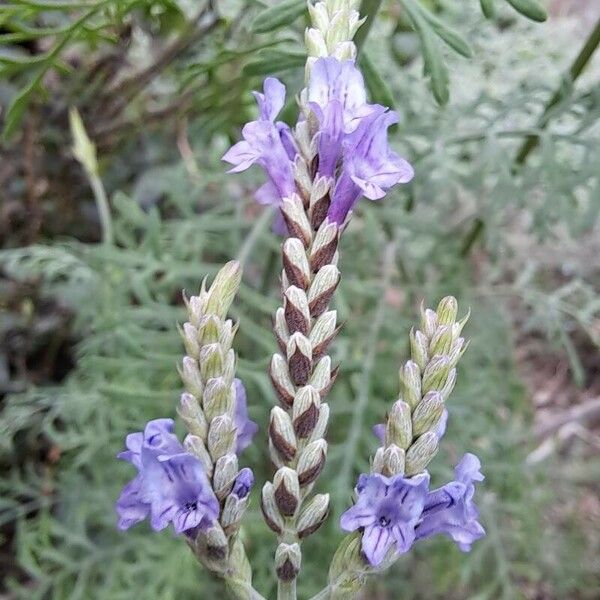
488 8
433 62
531 9
376 84
278 16
17 108
453 39
274 61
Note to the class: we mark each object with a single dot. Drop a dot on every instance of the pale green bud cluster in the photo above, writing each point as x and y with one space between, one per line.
207 407
334 23
426 381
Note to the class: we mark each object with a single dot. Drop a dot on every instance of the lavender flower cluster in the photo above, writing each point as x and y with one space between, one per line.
316 172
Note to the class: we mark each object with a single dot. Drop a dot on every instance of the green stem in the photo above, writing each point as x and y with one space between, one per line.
103 208
286 590
368 8
323 594
532 141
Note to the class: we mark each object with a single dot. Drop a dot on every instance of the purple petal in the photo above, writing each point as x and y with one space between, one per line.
242 155
376 541
246 429
271 101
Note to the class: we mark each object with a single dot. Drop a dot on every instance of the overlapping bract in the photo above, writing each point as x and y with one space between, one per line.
351 135
397 511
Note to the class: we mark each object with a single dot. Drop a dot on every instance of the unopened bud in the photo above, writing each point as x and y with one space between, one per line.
324 245
226 470
344 51
208 329
321 376
297 314
429 321
447 310
323 332
296 219
218 398
295 263
435 374
318 15
280 329
449 385
322 421
224 288
315 43
305 411
299 357
216 542
428 413
281 432
287 491
322 288
194 445
222 437
458 349
191 413
211 361
232 514
311 461
287 561
269 508
419 455
441 342
410 382
189 335
190 375
398 429
419 348
281 380
394 460
313 515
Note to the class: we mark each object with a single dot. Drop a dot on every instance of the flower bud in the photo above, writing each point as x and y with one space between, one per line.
287 491
226 333
303 178
458 349
305 411
324 245
315 43
447 310
393 461
323 332
190 375
419 455
321 425
419 348
398 429
313 515
428 413
441 341
318 15
224 288
435 374
218 398
189 410
378 465
299 357
410 383
295 263
321 376
208 329
232 514
222 437
269 508
189 335
297 315
322 288
280 329
211 361
281 380
281 433
296 219
226 470
287 561
196 305
311 461
217 546
429 321
449 385
194 445
344 51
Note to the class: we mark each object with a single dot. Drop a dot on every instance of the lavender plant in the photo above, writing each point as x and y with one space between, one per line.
316 172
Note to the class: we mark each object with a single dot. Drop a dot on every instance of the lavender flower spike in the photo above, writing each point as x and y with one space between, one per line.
387 510
450 509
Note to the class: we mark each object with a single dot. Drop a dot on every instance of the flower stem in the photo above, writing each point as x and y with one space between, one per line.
323 594
103 208
286 590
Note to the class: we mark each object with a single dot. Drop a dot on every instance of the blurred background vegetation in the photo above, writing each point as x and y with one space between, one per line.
499 115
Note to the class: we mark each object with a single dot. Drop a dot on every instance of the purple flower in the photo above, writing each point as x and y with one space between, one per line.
369 167
268 144
170 487
243 483
450 509
246 429
387 510
440 430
